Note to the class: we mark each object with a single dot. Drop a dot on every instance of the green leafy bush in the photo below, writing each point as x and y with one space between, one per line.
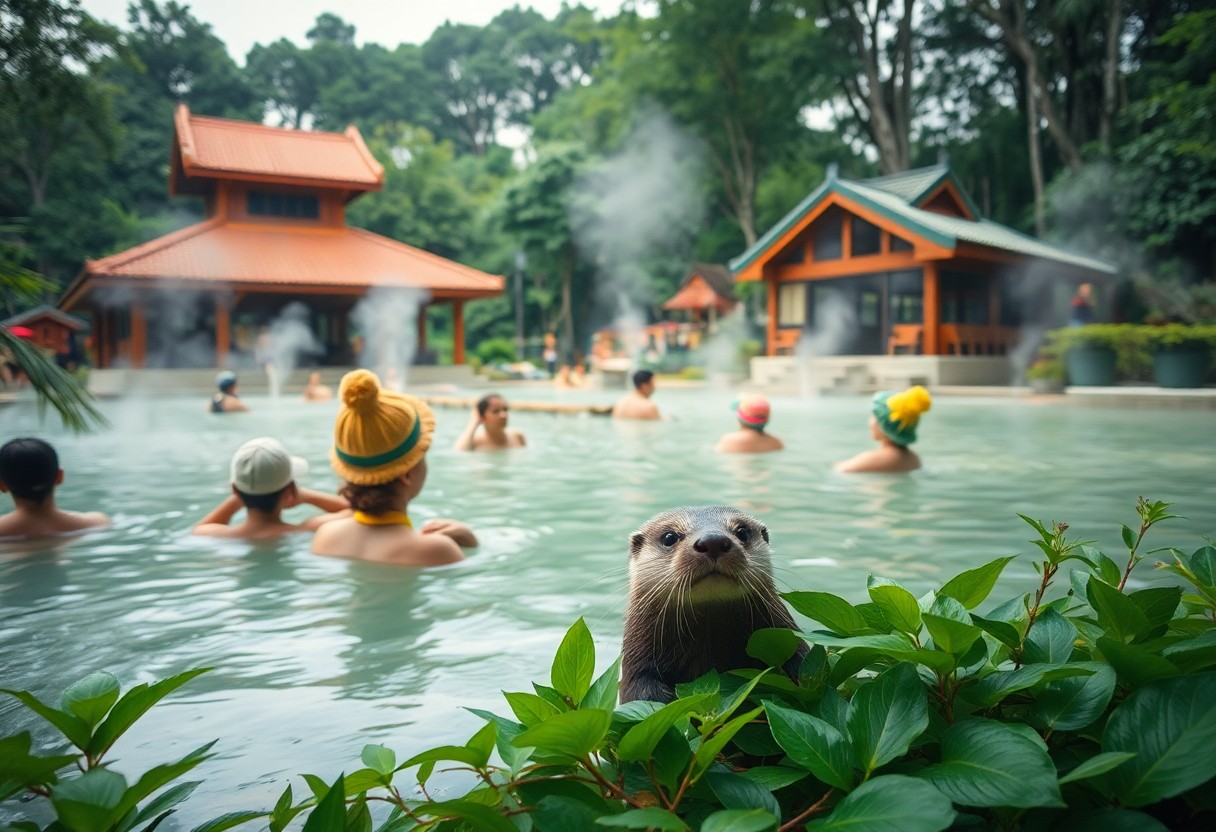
1047 369
1133 359
1095 710
1181 336
496 351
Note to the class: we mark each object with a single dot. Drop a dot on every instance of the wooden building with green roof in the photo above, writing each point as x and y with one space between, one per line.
901 264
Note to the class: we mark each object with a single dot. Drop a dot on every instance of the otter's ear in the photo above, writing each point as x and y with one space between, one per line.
764 532
636 540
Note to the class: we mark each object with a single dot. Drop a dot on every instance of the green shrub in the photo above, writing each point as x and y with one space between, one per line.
1048 369
692 373
750 349
1095 710
1133 359
496 351
1181 336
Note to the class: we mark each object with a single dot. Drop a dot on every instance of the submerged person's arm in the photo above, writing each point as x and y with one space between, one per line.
220 516
457 531
465 442
334 506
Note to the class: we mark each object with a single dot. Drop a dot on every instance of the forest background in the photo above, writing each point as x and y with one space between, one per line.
614 152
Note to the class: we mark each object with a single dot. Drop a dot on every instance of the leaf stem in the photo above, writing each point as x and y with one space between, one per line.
1131 556
810 810
612 788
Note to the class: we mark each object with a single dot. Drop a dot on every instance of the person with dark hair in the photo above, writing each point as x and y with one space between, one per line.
487 429
264 484
893 421
1081 308
226 400
380 444
753 413
637 404
30 472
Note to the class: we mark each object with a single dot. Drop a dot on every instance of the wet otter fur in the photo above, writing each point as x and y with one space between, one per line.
700 583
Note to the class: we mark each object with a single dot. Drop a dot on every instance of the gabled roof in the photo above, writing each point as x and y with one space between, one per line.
698 294
45 311
221 148
717 277
896 198
216 253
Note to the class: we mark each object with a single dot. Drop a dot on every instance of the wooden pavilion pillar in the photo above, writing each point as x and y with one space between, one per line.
422 328
139 333
457 332
931 308
771 334
99 337
223 331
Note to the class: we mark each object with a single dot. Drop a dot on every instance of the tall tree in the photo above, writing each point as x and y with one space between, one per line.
738 73
473 79
876 71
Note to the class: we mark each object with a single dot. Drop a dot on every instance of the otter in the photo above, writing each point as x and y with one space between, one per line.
700 583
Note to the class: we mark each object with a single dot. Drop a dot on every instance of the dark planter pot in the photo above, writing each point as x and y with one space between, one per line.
1180 367
1091 366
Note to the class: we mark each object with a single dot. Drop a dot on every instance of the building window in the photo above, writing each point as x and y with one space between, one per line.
791 304
867 239
826 235
905 299
263 204
900 244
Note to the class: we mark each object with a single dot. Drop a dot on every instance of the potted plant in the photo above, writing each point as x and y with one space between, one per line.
1182 353
1091 353
1047 375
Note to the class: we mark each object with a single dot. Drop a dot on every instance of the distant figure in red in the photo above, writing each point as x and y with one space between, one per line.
1081 311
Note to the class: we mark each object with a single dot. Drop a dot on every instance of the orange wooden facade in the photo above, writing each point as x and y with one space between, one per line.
53 331
903 270
275 232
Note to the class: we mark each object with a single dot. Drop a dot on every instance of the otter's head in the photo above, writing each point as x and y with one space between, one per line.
707 553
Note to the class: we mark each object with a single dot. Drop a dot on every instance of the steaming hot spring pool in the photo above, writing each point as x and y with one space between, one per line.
315 657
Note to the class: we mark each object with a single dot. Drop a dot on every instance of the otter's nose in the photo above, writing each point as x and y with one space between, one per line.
713 545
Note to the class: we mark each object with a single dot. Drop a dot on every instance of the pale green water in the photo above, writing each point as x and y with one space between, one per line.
316 657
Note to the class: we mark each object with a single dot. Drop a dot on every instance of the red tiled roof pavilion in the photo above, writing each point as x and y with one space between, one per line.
275 231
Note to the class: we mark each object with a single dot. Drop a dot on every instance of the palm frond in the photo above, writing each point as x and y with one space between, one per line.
54 386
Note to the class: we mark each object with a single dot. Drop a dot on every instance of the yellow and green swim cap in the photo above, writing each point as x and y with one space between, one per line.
898 414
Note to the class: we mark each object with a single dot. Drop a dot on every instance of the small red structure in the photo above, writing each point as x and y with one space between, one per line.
708 289
48 328
275 232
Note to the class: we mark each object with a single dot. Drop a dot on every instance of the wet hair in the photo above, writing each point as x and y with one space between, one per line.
261 502
371 499
641 377
28 467
483 404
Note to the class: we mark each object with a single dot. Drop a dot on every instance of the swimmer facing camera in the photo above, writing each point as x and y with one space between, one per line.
700 583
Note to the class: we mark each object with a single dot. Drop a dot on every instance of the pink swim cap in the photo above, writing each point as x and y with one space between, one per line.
753 410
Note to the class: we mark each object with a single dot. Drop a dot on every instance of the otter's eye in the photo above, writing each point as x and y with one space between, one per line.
669 539
744 534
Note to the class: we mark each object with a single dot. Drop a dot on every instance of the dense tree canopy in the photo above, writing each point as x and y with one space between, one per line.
1088 119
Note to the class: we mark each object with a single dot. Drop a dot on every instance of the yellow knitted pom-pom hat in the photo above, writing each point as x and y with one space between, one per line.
379 434
898 414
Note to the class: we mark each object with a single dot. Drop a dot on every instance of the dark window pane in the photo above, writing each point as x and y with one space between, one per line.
866 238
283 205
826 235
900 244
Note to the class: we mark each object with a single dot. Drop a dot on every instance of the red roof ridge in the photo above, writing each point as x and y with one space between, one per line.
355 136
103 265
442 262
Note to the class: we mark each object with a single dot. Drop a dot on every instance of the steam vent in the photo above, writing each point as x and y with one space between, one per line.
275 232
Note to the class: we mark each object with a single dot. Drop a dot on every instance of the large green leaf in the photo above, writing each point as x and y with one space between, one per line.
574 733
774 777
813 744
1072 703
640 740
885 715
711 747
1097 764
736 792
505 732
158 776
229 820
1158 604
898 606
740 820
134 704
481 743
19 766
330 812
1135 665
379 758
951 636
1170 726
91 698
70 725
970 588
529 708
1050 639
892 803
996 686
986 763
773 645
649 818
1114 820
604 690
480 817
84 803
559 813
574 664
1118 615
832 611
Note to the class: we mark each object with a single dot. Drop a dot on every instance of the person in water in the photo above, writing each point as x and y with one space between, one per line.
637 404
893 425
263 477
753 413
315 391
380 444
226 399
30 472
490 416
